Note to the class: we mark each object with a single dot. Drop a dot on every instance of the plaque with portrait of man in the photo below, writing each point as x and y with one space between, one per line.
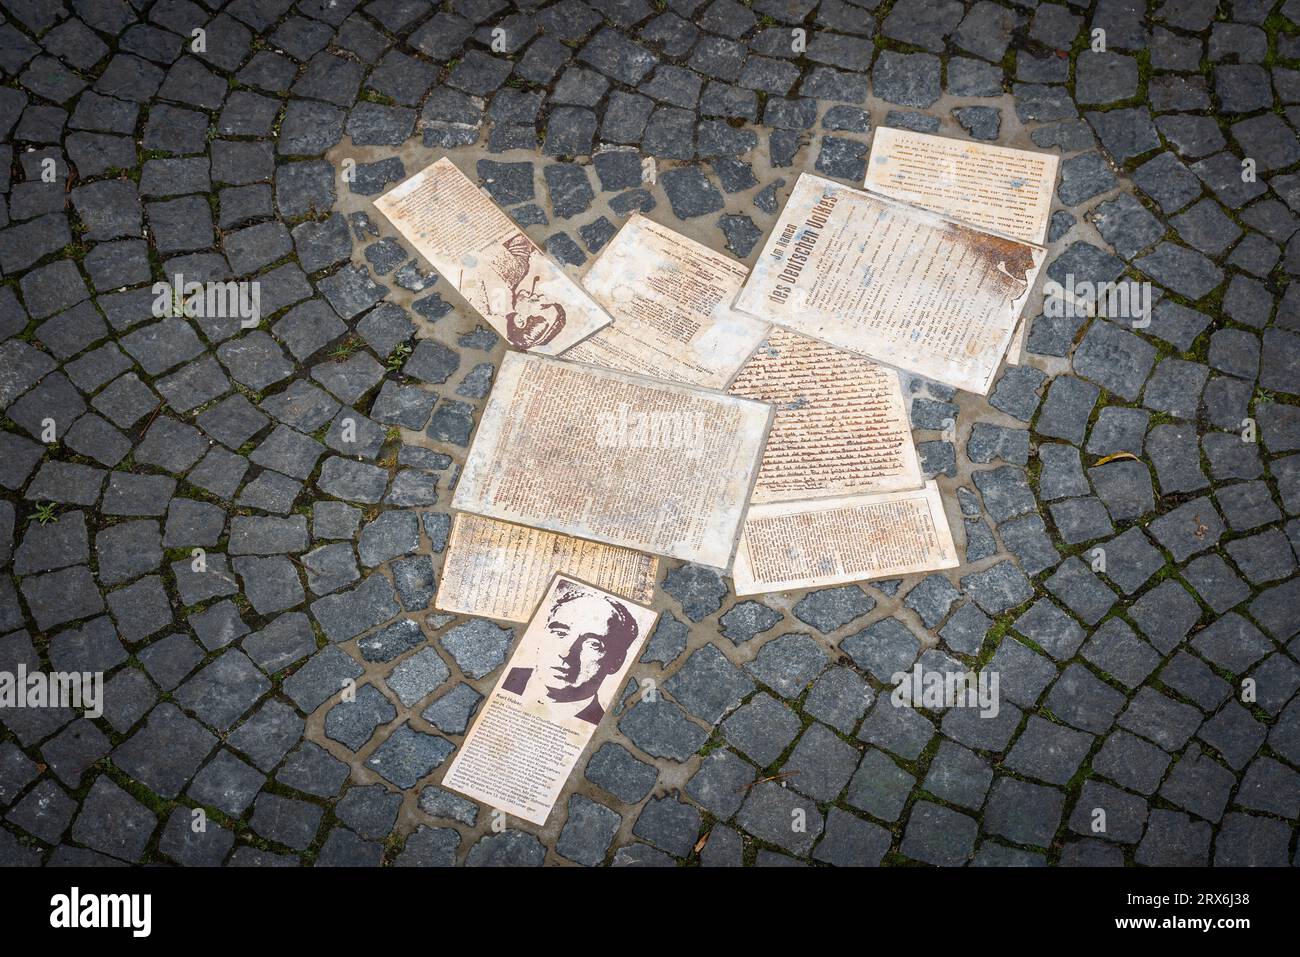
564 676
501 273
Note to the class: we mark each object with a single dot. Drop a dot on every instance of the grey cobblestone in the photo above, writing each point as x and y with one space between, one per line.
1121 602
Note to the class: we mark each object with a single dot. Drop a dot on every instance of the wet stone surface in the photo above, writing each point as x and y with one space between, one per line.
243 527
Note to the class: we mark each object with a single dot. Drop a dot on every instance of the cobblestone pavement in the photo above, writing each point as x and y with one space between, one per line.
1154 680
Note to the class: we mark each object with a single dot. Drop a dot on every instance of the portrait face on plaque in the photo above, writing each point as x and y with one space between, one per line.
532 317
585 642
567 668
534 321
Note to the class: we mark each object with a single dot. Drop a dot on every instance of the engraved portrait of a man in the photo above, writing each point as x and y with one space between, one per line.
531 318
588 636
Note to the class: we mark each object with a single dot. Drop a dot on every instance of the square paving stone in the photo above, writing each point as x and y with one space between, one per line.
1016 392
417 677
171 445
219 624
370 810
965 631
1125 489
777 815
56 544
1048 752
788 664
407 755
746 619
1165 614
44 812
140 609
883 648
197 579
224 690
478 647
839 698
271 584
62 596
823 763
125 401
1161 719
113 822
1005 491
690 192
1131 560
1075 585
698 590
137 495
724 848
429 847
1277 679
1174 452
1249 841
1198 784
1023 812
850 841
391 641
322 677
180 225
629 779
1188 529
93 647
1232 642
1066 409
721 783
255 360
220 472
270 492
879 786
268 734
313 770
763 728
1270 786
1132 762
939 836
284 642
899 729
286 821
1061 474
708 685
1117 651
164 754
1081 519
73 750
1264 557
1189 676
232 421
1122 814
958 776
1231 458
832 608
932 599
1235 734
589 830
670 824
999 588
1174 839
226 783
1119 429
513 848
1247 505
190 848
168 660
